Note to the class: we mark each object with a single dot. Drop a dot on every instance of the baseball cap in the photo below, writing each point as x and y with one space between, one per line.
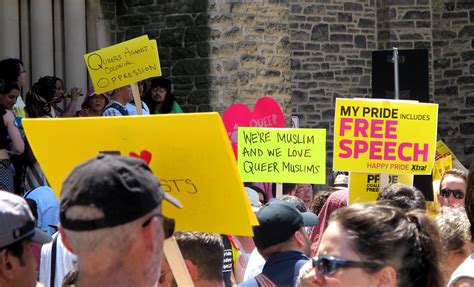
341 180
252 195
122 188
279 220
17 221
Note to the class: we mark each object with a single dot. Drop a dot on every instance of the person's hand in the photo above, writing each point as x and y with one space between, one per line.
75 93
84 113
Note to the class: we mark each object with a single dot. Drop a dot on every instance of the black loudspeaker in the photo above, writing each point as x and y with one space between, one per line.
425 184
412 75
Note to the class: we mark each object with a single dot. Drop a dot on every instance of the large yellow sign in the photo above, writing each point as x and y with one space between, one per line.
383 136
122 64
190 153
364 187
282 155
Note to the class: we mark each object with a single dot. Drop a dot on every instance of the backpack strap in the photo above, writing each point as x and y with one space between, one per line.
118 107
53 260
264 281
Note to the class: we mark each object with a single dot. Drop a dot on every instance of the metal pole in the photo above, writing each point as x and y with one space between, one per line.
395 66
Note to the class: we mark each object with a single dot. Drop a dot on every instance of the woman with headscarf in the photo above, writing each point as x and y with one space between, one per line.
336 200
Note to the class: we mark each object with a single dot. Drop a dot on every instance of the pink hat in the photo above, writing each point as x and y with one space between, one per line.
90 94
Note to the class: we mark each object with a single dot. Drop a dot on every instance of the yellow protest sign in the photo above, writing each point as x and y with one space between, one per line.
122 64
282 155
442 150
383 136
441 166
364 187
190 153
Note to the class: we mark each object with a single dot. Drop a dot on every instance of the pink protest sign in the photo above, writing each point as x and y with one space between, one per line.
266 113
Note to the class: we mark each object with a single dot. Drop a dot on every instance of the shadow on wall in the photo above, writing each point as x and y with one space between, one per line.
181 29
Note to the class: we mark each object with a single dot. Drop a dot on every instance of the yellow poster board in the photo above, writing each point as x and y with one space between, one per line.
441 166
364 187
442 150
189 153
384 136
282 155
122 64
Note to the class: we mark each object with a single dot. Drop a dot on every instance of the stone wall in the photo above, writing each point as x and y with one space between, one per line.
182 33
453 66
306 53
249 52
330 46
215 52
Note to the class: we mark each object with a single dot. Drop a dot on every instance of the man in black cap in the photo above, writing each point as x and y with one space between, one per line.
17 231
282 241
111 219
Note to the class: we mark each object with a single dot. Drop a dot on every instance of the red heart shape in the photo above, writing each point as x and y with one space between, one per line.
266 113
144 154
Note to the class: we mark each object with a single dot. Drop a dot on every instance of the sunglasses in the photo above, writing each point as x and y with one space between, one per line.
445 192
168 224
328 265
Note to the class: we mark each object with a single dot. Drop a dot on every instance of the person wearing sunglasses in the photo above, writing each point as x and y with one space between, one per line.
452 188
111 218
372 245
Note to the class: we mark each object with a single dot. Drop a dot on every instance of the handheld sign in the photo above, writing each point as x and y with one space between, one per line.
122 64
136 99
364 187
266 113
442 150
381 136
189 153
282 155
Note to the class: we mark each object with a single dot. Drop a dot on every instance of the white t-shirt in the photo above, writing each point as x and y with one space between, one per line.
132 109
465 270
64 263
255 265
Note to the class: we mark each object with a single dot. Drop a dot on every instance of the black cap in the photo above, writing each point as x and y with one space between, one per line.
17 221
279 220
123 188
2 86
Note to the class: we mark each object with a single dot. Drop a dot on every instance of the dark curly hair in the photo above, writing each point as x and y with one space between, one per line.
39 100
169 98
408 242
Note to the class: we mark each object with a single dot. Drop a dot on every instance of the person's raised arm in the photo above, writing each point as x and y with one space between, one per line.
71 108
18 146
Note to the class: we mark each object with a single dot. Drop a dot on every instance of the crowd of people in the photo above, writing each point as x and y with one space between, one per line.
108 229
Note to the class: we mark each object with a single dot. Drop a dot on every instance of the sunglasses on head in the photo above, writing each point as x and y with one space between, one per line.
458 194
168 224
328 265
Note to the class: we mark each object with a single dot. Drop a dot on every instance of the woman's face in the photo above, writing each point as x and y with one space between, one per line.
97 103
334 243
21 80
9 99
59 92
158 94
